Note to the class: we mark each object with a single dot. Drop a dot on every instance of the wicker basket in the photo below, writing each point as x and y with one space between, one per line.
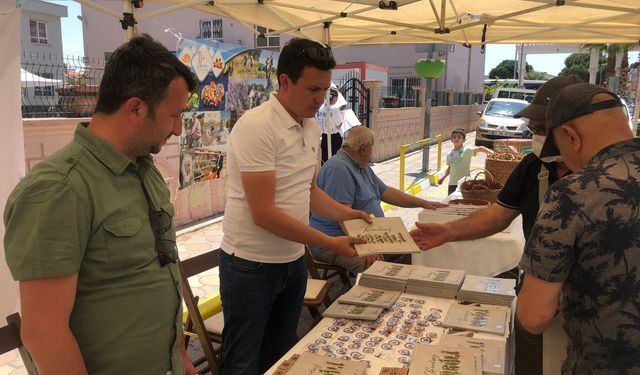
487 194
500 169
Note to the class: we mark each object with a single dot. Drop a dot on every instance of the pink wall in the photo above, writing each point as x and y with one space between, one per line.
394 127
42 137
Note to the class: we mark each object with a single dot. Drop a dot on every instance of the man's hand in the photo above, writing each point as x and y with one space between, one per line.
369 260
343 245
432 205
189 369
428 236
357 214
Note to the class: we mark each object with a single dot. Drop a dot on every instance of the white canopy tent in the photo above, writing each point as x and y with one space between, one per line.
468 22
439 21
427 21
28 79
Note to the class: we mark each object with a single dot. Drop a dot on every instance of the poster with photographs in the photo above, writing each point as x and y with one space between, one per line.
212 93
203 145
246 64
186 167
267 69
231 80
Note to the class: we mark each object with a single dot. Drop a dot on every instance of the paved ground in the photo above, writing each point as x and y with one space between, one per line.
206 236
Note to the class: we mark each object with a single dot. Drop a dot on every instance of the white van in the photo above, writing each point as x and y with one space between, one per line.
514 93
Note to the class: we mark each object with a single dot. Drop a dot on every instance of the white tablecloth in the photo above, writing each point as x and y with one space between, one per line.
488 256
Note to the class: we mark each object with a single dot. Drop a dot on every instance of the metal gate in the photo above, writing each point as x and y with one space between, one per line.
403 89
358 97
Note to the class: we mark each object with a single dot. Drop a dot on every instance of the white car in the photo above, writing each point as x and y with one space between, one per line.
497 121
625 108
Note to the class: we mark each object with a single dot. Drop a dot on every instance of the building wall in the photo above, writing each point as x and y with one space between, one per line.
395 127
39 58
399 60
50 14
43 137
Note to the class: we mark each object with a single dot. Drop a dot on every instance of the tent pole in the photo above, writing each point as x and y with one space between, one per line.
131 31
326 123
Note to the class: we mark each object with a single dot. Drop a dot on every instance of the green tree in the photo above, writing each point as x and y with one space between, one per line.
505 70
535 75
578 64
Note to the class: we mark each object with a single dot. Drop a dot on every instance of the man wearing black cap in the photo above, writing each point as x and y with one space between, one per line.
521 194
586 241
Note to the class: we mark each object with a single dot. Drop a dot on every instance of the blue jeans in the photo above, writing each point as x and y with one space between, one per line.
261 304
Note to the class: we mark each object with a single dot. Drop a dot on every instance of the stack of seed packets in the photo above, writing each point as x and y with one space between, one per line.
494 356
487 290
314 364
385 275
435 282
477 318
365 296
437 360
341 310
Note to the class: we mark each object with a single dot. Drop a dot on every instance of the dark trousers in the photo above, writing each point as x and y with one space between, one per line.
336 143
262 303
528 358
452 188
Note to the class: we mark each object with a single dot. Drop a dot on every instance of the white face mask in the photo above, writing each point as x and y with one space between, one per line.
536 144
537 141
552 159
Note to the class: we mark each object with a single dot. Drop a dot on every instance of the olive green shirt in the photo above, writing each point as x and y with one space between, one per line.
83 211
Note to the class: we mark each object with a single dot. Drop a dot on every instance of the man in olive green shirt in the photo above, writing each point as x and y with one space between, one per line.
90 235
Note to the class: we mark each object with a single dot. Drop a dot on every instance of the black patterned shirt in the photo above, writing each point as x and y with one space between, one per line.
587 236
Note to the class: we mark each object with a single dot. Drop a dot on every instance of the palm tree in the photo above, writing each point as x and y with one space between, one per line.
611 51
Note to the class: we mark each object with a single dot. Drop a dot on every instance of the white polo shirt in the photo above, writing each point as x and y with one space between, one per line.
267 138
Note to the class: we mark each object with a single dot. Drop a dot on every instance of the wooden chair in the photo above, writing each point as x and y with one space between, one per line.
10 340
317 289
210 330
331 270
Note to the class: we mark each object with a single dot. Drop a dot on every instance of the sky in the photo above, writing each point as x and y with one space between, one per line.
549 63
495 53
72 42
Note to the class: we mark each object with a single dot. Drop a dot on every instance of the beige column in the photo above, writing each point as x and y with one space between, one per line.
374 100
12 141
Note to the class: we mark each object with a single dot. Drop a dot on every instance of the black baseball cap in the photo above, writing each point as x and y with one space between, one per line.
570 103
538 107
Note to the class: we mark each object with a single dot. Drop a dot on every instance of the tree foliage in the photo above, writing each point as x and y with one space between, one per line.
578 64
505 70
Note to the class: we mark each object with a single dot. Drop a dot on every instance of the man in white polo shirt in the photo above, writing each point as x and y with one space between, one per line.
272 154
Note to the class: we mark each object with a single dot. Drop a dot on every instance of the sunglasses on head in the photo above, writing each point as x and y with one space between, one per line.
314 53
167 249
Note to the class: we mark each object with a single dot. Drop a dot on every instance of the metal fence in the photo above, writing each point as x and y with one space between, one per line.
56 86
393 98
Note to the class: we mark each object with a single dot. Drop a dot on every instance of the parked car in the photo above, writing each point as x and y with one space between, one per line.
627 111
497 121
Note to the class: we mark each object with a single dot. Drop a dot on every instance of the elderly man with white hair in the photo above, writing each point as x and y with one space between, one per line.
348 179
